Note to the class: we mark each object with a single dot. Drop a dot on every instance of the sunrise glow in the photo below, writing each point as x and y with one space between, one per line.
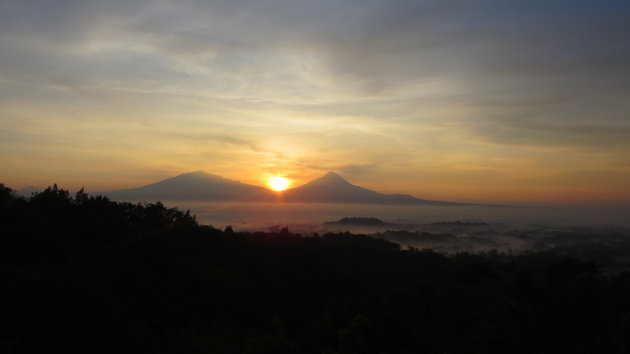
478 106
278 183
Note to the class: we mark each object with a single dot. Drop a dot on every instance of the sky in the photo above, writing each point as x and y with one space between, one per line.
471 100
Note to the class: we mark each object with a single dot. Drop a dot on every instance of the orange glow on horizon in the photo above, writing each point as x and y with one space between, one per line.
278 184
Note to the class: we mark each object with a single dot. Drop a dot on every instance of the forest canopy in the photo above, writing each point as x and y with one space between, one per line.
83 273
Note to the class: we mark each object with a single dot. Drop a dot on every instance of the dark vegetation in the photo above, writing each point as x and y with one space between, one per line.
85 274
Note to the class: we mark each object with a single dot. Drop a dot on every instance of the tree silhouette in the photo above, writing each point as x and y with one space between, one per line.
86 274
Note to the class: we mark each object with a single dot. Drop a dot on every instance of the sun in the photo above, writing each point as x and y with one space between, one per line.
278 183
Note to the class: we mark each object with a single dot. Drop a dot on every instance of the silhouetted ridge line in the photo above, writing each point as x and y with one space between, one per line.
358 220
332 188
197 185
86 274
202 186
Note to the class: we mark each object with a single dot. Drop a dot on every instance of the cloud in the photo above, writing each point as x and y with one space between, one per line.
358 86
584 137
367 46
220 138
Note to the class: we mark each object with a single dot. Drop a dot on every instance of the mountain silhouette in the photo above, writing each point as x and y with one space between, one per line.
202 186
332 188
196 186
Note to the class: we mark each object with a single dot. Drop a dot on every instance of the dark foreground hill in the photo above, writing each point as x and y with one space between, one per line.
85 274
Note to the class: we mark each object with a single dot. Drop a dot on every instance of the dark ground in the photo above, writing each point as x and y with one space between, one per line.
85 274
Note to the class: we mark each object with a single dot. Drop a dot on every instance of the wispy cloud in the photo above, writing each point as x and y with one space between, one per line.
365 87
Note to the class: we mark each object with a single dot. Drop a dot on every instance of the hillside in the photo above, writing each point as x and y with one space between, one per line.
195 186
90 275
202 186
332 188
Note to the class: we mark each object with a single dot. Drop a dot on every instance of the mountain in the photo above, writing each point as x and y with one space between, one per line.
332 188
202 186
195 186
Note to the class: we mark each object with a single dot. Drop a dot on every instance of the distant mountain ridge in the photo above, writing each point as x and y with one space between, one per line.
332 188
195 186
359 221
202 186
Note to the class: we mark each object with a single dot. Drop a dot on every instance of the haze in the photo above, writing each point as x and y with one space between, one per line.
473 101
